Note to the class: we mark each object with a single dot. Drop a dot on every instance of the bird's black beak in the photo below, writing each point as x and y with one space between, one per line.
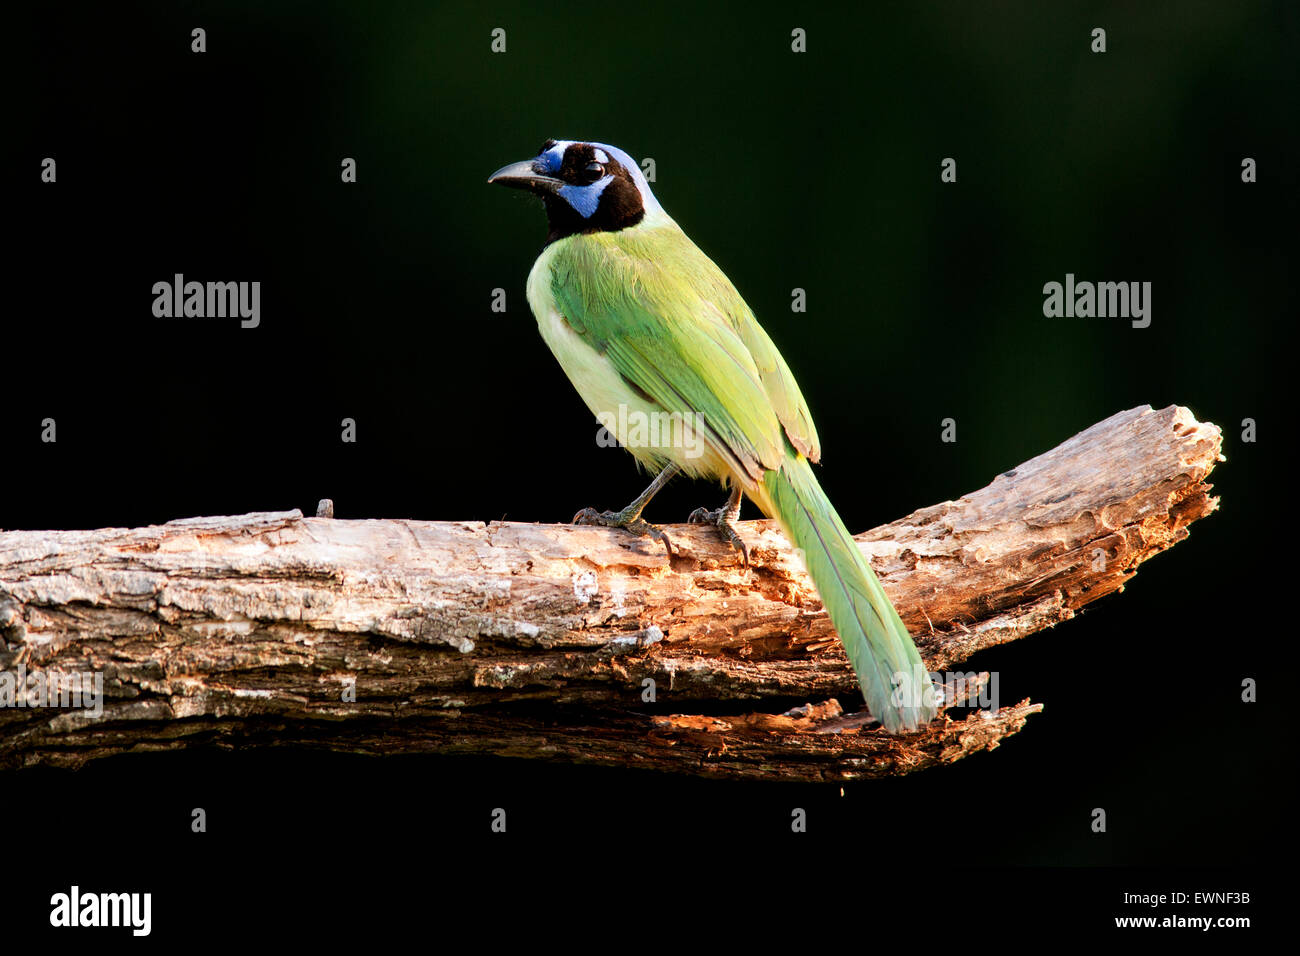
525 176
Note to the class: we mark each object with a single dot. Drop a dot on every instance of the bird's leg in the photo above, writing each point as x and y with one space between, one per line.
722 519
630 517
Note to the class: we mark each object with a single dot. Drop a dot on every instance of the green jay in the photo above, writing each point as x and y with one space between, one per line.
647 328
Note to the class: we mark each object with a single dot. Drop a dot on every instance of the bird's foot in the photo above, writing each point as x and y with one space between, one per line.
722 518
625 519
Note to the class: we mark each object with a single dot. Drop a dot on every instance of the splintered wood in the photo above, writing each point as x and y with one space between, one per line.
564 642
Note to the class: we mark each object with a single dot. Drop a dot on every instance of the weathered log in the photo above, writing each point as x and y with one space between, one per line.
386 636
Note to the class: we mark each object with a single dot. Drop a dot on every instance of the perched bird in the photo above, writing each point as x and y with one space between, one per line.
648 329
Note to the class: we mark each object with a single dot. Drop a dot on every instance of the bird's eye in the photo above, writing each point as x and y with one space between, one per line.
596 169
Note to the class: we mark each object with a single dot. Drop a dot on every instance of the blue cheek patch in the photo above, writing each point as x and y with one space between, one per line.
585 199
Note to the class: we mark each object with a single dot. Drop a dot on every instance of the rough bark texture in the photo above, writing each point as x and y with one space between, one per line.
537 640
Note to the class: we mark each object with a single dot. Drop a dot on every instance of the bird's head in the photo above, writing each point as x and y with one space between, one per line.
586 187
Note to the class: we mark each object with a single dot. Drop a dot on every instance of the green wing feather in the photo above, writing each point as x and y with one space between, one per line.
787 400
675 327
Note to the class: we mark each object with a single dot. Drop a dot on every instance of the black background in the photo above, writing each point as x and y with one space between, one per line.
818 171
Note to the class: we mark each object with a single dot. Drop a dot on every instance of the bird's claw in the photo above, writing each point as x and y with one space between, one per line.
703 516
592 516
721 519
618 519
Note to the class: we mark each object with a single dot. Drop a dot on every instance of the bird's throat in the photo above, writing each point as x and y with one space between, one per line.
617 210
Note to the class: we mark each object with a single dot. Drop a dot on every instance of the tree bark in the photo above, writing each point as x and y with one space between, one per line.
388 636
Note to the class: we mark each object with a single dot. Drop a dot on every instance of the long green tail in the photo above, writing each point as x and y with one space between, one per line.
894 681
